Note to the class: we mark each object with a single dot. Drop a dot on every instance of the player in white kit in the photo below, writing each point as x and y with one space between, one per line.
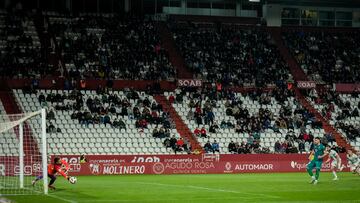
335 161
353 161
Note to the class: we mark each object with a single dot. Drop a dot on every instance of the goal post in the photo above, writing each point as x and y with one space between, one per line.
23 153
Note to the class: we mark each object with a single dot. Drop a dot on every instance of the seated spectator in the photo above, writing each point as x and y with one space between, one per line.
244 148
302 147
171 98
190 115
155 132
209 117
276 128
161 133
141 123
238 128
173 142
187 146
95 119
50 115
51 128
250 139
290 136
256 135
119 124
197 132
213 127
179 145
41 98
215 147
277 147
167 143
330 138
107 119
232 147
208 147
203 132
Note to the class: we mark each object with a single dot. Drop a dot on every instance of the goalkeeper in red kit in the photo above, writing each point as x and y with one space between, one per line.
59 166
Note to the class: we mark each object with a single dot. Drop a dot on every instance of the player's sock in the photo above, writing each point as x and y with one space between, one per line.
310 172
317 174
38 178
334 173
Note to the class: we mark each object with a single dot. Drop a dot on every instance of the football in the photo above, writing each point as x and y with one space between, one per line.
72 180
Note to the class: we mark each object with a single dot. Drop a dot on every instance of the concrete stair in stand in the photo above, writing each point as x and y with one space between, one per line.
175 57
181 127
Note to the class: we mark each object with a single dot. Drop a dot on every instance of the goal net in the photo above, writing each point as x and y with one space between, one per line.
22 153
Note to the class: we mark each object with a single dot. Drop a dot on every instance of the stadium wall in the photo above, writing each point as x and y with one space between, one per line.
117 84
189 164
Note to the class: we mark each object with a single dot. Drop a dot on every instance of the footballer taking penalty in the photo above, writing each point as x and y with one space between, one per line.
336 161
316 159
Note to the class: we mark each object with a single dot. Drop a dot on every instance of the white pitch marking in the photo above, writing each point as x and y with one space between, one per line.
158 200
60 198
211 189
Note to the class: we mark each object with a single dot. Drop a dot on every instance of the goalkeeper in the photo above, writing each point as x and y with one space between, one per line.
53 169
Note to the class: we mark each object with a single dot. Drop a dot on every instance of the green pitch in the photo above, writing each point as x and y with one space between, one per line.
280 187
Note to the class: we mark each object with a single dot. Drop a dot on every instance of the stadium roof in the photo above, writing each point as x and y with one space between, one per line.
327 3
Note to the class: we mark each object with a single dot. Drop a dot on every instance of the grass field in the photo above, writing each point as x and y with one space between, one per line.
280 187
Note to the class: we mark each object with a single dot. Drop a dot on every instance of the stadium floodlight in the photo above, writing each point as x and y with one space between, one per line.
23 154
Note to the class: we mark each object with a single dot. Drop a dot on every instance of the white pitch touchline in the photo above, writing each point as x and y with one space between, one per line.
210 189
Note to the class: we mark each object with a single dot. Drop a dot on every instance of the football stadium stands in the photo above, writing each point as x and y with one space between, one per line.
342 110
249 119
8 139
19 46
110 46
230 53
329 57
97 130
